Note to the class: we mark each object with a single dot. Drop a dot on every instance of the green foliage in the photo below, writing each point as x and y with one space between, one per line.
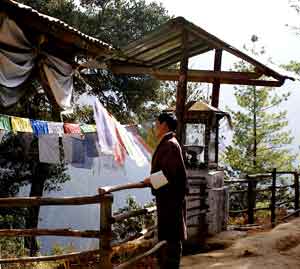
131 226
261 140
293 66
58 249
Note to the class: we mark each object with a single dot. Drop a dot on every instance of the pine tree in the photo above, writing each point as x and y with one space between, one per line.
261 140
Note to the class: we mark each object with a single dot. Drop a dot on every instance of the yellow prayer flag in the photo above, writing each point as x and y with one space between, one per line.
21 125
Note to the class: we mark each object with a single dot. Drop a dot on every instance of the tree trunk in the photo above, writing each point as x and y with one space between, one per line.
37 188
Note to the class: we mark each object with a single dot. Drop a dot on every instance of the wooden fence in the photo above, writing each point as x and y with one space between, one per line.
105 200
252 191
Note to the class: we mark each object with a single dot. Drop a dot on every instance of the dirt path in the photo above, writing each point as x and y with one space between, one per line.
276 249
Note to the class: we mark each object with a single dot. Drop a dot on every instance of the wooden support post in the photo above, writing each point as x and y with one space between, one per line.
182 89
105 231
251 201
207 135
216 83
296 184
217 142
273 198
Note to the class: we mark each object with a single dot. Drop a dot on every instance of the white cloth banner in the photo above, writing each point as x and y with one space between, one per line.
49 149
56 128
12 72
16 67
60 78
106 133
12 35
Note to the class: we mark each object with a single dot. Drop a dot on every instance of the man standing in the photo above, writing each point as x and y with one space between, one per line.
169 186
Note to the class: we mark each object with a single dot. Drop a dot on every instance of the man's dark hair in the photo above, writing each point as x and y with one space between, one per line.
169 119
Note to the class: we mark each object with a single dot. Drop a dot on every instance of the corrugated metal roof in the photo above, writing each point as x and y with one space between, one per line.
53 25
163 48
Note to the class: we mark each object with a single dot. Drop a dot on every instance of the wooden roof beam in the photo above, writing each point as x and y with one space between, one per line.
225 77
173 74
219 44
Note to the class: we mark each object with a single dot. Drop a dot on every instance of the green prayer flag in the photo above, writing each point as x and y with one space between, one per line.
88 128
5 123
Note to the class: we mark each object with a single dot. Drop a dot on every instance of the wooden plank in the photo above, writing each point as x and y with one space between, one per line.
194 208
193 199
198 214
174 74
48 232
48 201
216 83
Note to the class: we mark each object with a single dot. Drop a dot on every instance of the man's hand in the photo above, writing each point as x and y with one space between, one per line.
147 181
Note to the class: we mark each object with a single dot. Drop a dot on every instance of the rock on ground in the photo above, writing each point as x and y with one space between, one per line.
276 249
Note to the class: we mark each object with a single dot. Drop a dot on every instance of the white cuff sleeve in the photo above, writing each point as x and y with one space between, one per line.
158 180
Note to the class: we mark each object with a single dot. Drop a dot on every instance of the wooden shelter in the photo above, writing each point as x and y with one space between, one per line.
175 42
158 54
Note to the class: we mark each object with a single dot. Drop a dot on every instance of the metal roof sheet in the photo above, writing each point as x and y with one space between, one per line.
163 48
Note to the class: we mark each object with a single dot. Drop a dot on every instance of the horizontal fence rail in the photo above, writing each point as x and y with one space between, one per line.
49 201
104 234
140 212
48 232
251 191
70 257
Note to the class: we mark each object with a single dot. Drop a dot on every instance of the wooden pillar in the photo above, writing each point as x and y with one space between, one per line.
217 141
216 83
207 136
105 231
182 89
273 198
296 184
251 200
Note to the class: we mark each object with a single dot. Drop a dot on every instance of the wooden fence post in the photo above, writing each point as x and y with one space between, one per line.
273 198
251 202
105 231
296 185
